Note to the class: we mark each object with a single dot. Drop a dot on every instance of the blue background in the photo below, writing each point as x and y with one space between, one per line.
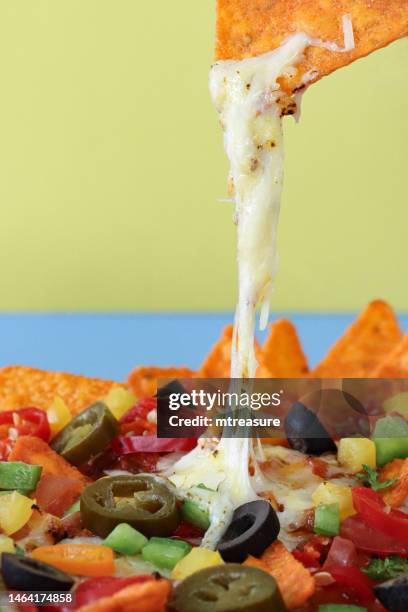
110 345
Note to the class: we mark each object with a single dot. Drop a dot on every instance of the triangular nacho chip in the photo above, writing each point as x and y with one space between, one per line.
363 346
143 379
250 27
282 356
218 362
395 364
22 386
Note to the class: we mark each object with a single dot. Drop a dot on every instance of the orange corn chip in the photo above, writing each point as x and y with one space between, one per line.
33 450
247 28
395 363
282 356
394 496
218 361
296 584
374 334
22 386
149 596
143 380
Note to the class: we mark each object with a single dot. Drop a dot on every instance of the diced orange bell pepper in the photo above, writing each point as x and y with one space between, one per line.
295 582
78 559
394 495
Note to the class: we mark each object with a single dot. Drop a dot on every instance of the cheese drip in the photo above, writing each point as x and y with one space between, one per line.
248 99
251 104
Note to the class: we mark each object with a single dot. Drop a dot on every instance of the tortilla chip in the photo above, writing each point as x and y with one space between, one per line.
143 379
250 27
374 334
218 362
282 356
395 364
22 386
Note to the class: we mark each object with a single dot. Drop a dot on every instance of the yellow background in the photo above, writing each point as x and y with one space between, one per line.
111 167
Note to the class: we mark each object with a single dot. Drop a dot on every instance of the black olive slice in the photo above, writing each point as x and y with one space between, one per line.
174 386
306 433
26 574
393 594
253 528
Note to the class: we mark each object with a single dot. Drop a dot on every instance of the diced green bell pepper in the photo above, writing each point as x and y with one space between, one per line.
18 475
391 439
126 540
193 514
164 552
327 520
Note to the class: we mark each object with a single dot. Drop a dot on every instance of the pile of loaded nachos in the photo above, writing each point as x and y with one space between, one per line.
96 507
87 509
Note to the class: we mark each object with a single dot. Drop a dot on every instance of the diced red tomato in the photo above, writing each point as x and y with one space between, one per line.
89 591
313 551
139 462
337 594
319 466
95 467
27 422
371 540
95 588
309 559
55 494
142 409
372 509
188 533
125 445
354 578
342 553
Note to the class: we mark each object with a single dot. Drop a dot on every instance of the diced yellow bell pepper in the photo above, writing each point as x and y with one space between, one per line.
58 415
15 511
6 544
330 493
119 401
353 453
197 559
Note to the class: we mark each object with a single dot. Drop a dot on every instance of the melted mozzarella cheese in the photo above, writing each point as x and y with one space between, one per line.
248 98
251 104
289 476
249 101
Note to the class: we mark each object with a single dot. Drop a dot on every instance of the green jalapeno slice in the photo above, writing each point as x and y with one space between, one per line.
87 434
140 501
228 588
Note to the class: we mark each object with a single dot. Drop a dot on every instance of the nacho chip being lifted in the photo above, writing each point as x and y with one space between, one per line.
246 28
282 355
355 355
